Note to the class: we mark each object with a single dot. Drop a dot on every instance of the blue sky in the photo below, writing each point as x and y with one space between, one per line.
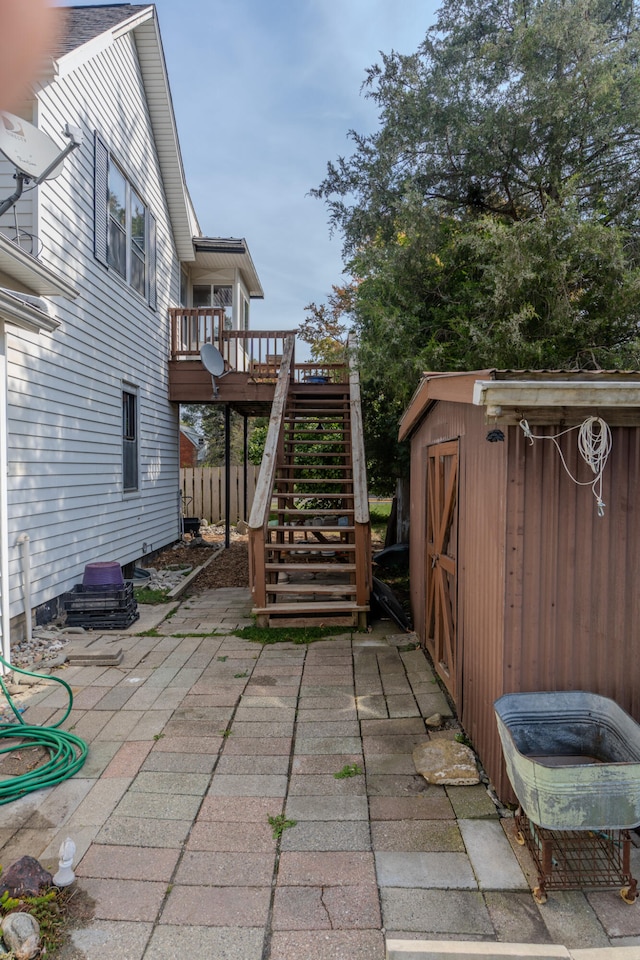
264 93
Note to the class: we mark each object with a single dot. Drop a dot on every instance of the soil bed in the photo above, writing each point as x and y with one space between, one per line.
229 569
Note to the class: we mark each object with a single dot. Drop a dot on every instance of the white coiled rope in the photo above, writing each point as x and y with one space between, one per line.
594 444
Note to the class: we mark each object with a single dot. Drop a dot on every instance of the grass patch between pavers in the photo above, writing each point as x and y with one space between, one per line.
279 824
147 595
349 770
301 635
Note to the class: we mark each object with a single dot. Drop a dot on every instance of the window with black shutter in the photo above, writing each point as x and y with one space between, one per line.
129 441
124 228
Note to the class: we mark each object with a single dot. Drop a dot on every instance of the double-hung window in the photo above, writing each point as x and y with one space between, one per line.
125 228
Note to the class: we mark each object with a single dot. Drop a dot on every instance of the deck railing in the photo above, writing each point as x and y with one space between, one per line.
360 490
256 352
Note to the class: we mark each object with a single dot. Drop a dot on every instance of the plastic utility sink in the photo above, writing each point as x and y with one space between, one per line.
573 759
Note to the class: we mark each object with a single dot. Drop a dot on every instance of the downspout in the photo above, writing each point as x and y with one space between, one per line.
23 541
5 616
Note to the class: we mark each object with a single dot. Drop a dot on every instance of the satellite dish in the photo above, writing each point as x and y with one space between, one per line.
30 150
213 361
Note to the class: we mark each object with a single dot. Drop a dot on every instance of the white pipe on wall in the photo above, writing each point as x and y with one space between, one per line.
23 542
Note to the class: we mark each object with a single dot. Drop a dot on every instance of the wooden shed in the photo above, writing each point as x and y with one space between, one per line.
517 582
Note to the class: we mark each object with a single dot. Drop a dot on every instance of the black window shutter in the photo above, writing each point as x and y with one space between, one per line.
101 201
151 272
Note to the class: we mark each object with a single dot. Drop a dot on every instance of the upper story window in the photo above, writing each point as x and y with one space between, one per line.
125 229
215 295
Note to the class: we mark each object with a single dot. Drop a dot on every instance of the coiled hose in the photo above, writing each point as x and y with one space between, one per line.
66 752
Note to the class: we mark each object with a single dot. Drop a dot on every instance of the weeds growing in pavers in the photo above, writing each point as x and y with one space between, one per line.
238 676
349 770
225 733
279 824
147 595
172 612
149 633
222 659
158 736
299 635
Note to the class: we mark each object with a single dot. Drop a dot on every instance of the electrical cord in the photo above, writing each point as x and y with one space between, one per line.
67 753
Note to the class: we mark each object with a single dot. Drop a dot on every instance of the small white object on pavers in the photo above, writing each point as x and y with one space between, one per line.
468 950
446 762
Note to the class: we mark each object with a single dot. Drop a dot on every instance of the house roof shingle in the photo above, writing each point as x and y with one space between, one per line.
83 23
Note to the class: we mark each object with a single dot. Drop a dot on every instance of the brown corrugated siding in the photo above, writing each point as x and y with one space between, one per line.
548 594
481 580
572 601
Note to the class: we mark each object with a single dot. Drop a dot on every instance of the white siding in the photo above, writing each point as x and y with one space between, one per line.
65 389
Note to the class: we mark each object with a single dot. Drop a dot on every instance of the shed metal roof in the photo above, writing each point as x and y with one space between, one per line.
505 391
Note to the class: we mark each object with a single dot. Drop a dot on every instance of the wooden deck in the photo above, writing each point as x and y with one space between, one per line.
252 360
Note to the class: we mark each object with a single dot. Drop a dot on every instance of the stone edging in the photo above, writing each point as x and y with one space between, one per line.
182 586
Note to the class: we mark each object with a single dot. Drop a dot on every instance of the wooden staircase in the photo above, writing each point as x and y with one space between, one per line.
311 562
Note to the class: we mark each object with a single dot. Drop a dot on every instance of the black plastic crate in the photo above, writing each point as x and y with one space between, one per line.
87 599
105 622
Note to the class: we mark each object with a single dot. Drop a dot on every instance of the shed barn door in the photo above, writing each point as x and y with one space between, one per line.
441 554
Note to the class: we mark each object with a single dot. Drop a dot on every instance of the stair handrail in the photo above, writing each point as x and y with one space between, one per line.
264 488
361 517
360 490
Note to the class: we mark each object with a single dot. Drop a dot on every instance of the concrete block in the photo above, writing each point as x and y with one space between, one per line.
606 953
450 950
492 858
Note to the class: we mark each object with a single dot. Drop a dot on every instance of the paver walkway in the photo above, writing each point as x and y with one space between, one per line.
195 741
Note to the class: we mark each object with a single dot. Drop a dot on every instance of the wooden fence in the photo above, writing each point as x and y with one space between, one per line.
204 494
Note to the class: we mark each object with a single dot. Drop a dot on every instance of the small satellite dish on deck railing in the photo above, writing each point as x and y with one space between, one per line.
213 361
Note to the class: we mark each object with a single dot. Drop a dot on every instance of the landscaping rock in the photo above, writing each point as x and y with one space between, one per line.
21 934
25 878
434 721
446 762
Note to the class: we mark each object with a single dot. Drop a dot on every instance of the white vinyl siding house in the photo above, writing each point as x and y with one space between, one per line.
72 487
89 459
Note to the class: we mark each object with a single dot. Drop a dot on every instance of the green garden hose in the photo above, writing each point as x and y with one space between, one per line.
66 752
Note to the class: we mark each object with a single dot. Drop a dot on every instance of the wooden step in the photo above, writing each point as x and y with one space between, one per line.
319 589
297 512
322 606
308 414
325 528
300 400
316 443
313 466
308 496
290 480
320 422
313 547
311 567
313 455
